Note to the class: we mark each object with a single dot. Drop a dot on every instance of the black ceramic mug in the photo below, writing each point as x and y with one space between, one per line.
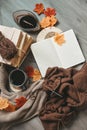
18 80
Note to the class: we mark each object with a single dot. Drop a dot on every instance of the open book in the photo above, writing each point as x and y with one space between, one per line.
48 53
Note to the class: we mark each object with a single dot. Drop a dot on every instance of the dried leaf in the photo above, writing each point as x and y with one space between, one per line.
33 73
59 38
11 108
48 21
36 71
45 22
39 8
50 12
20 102
4 103
36 75
53 20
29 71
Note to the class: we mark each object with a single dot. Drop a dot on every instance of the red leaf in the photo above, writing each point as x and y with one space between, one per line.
39 8
50 12
29 71
20 102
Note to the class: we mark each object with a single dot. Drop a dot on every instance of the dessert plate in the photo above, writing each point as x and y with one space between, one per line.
47 33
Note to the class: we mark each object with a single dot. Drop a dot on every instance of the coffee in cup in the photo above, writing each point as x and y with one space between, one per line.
18 80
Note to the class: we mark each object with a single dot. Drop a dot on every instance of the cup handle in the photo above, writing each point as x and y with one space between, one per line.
24 87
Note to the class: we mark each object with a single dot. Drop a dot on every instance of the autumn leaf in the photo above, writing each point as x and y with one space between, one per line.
11 108
20 102
45 22
59 38
29 71
4 103
39 8
36 75
48 21
53 20
50 12
33 73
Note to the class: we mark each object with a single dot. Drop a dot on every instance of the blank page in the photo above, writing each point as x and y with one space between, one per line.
70 53
45 55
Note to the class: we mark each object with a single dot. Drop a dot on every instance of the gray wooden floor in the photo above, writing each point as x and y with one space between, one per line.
70 13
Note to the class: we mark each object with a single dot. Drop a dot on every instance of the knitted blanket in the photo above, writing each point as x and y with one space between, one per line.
69 96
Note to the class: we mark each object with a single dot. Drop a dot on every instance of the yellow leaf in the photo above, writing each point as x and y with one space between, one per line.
4 103
59 38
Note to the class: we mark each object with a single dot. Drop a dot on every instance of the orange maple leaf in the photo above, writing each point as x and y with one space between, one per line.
4 103
45 22
11 108
53 20
36 75
20 102
48 21
39 8
59 38
50 12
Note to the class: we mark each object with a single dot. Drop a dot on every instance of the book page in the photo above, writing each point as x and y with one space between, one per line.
45 55
70 53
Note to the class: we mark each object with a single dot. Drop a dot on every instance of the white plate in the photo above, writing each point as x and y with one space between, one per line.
48 32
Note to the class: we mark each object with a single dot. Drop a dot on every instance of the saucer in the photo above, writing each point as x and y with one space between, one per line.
48 32
26 20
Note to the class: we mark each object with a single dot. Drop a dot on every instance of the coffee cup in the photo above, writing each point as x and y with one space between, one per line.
18 80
